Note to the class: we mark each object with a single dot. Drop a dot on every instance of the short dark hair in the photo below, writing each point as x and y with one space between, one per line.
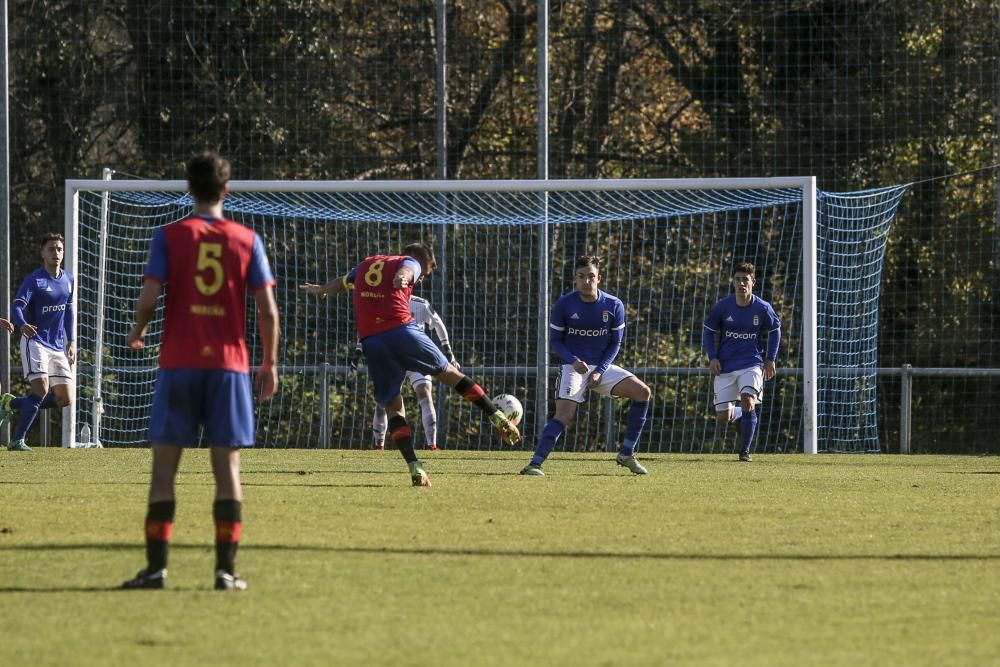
51 236
588 260
207 176
745 267
423 254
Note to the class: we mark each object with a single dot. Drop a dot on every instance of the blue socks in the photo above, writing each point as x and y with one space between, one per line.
748 429
49 401
27 408
550 434
633 429
633 426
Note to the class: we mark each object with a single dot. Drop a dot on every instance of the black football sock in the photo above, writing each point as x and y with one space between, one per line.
228 528
473 393
159 529
402 436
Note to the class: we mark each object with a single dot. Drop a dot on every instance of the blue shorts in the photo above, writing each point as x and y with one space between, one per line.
187 398
392 353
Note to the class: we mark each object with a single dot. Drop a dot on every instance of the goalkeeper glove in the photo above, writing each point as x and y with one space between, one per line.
357 358
448 352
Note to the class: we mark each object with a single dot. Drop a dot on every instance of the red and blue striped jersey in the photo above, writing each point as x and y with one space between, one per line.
207 265
378 306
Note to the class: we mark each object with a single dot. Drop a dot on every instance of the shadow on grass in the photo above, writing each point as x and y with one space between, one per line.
97 589
465 553
510 553
320 486
61 589
11 482
209 482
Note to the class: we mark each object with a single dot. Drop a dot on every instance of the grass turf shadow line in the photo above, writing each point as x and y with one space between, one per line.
96 589
601 555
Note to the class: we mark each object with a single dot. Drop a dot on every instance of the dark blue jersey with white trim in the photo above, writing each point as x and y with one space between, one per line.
734 334
590 331
46 303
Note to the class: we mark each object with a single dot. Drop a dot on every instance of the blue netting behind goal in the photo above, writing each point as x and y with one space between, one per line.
669 254
852 233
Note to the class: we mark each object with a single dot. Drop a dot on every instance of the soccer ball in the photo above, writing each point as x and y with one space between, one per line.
510 407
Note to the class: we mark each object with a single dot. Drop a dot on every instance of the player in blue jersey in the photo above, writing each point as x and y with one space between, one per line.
43 313
733 339
586 331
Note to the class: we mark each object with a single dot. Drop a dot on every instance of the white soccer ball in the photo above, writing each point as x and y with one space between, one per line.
510 407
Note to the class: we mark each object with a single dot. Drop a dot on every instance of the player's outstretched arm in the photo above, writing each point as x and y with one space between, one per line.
266 378
335 286
6 325
145 309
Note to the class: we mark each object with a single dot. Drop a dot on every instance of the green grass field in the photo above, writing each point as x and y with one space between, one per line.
791 560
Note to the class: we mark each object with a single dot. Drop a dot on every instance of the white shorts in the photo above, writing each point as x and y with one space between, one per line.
416 378
572 386
730 386
39 361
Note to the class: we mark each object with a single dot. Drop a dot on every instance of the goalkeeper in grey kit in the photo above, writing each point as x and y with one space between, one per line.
425 316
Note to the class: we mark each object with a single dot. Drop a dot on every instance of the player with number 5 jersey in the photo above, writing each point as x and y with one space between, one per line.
206 265
204 324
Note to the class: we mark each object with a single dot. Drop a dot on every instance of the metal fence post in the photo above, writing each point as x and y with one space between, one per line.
324 394
905 408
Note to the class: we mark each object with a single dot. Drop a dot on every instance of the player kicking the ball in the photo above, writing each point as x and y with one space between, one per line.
393 343
586 331
733 340
425 316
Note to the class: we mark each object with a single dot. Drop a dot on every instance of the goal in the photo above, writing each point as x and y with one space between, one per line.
505 251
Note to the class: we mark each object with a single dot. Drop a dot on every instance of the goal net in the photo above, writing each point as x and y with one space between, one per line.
505 252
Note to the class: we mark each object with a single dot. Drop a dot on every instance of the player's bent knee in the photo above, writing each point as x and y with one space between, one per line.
451 377
566 415
633 389
643 392
722 418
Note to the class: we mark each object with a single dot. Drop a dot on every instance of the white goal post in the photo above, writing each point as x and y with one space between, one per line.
93 258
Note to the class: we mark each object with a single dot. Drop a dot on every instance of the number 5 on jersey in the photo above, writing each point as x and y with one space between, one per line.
210 274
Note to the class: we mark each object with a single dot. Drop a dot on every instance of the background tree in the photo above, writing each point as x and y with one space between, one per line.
859 93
